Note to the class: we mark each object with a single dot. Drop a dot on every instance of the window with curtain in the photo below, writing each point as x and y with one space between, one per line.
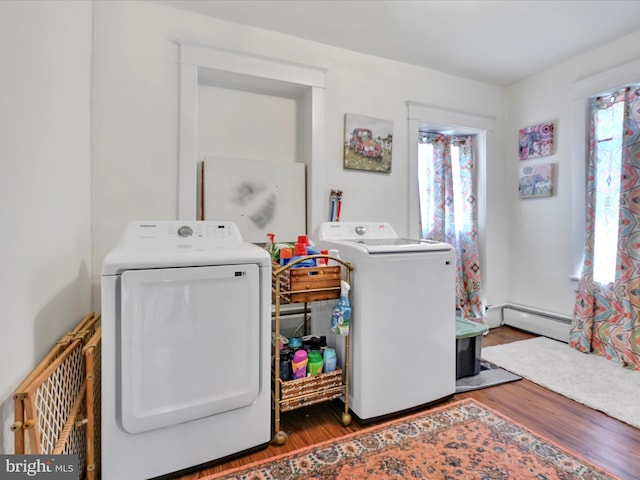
608 122
448 210
606 314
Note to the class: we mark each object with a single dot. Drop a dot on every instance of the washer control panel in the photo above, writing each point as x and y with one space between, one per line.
355 230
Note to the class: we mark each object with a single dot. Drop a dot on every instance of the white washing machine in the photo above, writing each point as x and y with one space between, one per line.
185 348
403 327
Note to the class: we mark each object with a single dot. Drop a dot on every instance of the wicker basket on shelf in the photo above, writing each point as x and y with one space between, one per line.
307 284
310 390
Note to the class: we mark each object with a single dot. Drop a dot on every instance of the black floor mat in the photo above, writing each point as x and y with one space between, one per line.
489 376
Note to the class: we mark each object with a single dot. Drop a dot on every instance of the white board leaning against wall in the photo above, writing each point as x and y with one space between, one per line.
259 196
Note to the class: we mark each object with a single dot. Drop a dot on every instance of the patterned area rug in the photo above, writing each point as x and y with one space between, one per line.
462 440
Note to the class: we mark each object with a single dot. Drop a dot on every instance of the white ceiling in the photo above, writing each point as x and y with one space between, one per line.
494 41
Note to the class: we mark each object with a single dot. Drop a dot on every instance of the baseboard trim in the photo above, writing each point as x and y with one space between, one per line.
552 326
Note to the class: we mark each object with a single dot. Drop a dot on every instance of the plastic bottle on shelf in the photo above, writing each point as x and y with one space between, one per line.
285 364
285 351
333 252
315 363
295 343
269 246
323 261
285 255
309 248
341 314
310 342
330 359
299 364
300 250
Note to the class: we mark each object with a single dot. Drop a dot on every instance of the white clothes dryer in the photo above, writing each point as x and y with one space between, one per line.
185 348
403 327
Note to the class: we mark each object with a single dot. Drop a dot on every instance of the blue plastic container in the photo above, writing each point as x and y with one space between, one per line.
330 359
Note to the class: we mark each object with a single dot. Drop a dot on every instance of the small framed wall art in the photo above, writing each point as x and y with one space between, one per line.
536 180
536 141
367 143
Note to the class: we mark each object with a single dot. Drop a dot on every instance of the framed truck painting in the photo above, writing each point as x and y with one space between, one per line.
536 141
367 143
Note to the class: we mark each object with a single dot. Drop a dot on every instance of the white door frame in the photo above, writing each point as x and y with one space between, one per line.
209 65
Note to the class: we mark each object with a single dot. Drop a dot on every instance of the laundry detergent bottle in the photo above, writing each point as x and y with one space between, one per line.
299 364
342 311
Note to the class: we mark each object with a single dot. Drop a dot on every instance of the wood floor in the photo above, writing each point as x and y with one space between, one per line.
609 443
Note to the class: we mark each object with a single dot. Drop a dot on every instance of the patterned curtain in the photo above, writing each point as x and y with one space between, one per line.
605 319
451 209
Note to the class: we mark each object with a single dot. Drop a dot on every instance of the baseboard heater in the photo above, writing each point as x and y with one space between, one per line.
537 321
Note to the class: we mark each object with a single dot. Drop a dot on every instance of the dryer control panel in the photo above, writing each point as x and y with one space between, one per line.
184 230
181 243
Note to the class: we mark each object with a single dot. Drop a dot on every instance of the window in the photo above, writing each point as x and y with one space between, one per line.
582 94
605 313
607 147
448 210
480 130
425 180
426 191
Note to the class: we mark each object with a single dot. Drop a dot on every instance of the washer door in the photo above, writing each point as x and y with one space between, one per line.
189 343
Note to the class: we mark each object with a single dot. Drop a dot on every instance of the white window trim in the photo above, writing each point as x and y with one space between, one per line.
422 115
580 92
206 64
433 117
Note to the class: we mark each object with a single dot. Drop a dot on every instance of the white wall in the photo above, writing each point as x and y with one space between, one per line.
135 115
541 244
235 124
45 249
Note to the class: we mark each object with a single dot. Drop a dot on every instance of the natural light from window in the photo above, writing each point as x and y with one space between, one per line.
425 180
609 121
457 188
425 186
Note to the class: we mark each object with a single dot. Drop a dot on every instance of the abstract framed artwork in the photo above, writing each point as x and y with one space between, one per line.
536 141
536 180
367 143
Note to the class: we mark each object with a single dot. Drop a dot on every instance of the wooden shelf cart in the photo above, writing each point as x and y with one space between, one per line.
304 285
